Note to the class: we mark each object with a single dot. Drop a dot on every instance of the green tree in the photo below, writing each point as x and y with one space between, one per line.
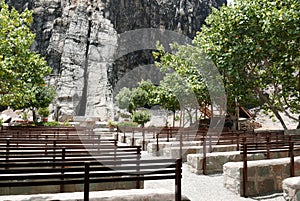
167 94
141 117
22 71
189 78
123 99
255 45
143 95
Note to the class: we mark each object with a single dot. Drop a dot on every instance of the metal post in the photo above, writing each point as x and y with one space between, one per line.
132 138
180 147
292 165
63 156
138 157
157 146
86 180
245 171
143 143
204 157
178 180
7 149
54 152
268 147
124 136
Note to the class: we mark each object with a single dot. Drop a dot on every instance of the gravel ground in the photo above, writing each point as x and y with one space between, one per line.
206 188
203 187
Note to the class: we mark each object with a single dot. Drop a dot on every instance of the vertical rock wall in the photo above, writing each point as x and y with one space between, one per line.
79 37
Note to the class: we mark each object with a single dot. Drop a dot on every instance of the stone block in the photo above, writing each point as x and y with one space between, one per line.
216 160
263 171
266 186
291 189
264 176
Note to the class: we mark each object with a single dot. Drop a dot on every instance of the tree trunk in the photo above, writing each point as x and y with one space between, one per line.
174 113
181 118
274 109
34 115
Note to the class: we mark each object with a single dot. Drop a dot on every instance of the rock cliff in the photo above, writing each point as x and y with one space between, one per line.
79 38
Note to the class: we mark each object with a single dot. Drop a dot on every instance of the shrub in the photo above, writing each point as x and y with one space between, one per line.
44 112
50 123
141 117
127 124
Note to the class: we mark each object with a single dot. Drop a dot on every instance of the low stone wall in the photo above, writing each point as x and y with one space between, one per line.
216 160
173 152
264 176
291 188
139 142
164 147
114 195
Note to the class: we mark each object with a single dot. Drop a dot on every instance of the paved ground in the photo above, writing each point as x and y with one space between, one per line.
204 188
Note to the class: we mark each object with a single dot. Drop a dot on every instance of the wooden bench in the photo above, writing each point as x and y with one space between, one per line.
45 132
19 142
209 142
14 175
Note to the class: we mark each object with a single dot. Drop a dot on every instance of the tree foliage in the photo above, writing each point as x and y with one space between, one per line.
141 117
141 96
122 99
187 80
22 71
255 45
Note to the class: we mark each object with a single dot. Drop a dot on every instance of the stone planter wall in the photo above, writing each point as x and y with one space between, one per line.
264 176
216 160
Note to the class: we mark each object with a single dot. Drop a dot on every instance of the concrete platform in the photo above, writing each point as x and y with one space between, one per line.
113 195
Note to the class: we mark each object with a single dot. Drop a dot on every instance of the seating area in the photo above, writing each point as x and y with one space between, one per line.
65 163
66 160
234 153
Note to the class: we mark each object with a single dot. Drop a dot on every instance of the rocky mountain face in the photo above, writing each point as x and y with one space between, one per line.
78 38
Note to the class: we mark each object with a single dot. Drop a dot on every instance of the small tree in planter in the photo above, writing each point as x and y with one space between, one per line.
111 125
44 112
141 117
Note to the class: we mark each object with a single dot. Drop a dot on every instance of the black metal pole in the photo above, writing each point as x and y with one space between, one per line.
86 180
178 180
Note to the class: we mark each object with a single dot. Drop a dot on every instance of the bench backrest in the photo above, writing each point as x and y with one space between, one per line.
41 173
